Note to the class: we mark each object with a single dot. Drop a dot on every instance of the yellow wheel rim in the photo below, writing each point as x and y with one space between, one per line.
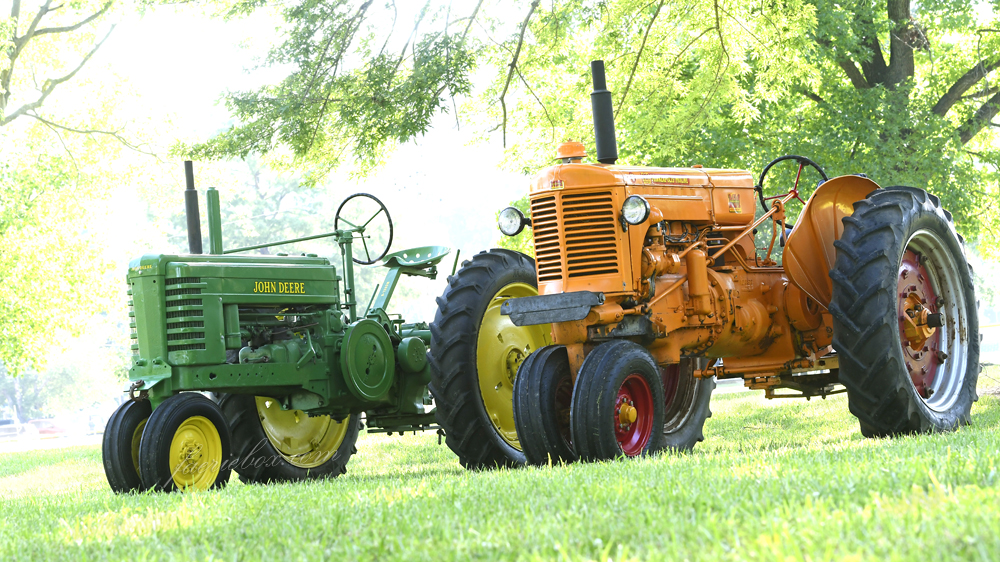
136 437
302 440
195 454
500 350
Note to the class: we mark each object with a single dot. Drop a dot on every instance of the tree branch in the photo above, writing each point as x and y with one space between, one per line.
980 119
813 96
51 84
74 27
113 134
18 45
847 65
966 81
851 69
875 69
512 66
472 18
638 56
552 124
900 48
981 93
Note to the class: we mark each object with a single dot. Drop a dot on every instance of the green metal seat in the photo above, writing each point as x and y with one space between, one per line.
422 257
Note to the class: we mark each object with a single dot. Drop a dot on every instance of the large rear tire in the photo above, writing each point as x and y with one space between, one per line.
475 355
687 402
901 266
543 397
275 445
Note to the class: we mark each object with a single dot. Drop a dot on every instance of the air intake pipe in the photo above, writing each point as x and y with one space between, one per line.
604 116
191 208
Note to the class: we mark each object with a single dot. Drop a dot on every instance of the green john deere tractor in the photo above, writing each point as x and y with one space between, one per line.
255 363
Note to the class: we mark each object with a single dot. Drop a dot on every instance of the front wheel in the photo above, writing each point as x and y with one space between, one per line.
120 448
905 319
543 395
618 403
185 445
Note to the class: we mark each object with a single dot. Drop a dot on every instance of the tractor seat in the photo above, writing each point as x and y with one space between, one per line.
423 257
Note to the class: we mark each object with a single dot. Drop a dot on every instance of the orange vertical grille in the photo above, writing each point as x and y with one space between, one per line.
574 235
545 226
591 240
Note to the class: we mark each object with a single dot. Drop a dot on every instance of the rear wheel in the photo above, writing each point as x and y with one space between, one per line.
543 395
687 406
475 355
185 445
271 444
120 448
905 319
618 402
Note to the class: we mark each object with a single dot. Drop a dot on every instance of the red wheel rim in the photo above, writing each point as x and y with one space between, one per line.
916 297
633 415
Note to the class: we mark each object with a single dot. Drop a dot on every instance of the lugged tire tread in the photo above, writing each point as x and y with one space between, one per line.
879 393
453 341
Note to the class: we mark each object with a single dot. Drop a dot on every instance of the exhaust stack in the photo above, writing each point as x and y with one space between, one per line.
604 116
191 208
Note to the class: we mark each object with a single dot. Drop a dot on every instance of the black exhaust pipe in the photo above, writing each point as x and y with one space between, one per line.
191 208
604 116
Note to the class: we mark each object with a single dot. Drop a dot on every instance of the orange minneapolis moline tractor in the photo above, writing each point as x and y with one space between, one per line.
647 285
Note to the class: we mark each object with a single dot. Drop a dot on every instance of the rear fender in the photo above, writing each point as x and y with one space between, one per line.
809 254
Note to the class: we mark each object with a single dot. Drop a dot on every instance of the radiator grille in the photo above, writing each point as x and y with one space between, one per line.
545 226
591 240
133 332
574 234
185 328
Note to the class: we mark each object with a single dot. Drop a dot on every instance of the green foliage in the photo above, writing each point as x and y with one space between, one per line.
889 88
327 105
773 480
750 90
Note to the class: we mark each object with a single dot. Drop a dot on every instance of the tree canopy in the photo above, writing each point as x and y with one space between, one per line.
57 145
901 91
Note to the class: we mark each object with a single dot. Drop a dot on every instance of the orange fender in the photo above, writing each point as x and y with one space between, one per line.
809 253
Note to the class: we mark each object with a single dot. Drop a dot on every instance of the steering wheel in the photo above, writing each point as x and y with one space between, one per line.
362 213
803 162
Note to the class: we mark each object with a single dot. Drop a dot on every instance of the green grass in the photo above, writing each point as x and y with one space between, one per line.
779 480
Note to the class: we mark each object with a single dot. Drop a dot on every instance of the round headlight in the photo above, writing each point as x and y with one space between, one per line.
635 210
511 221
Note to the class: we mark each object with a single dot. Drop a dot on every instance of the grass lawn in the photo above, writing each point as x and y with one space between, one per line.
786 480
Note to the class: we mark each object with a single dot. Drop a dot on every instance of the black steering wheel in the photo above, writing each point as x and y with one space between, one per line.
803 162
360 215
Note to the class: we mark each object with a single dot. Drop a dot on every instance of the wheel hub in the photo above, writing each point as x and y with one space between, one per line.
627 415
633 415
919 320
195 454
514 359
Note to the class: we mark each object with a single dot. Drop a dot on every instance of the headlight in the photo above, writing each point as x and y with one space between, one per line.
635 210
512 221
